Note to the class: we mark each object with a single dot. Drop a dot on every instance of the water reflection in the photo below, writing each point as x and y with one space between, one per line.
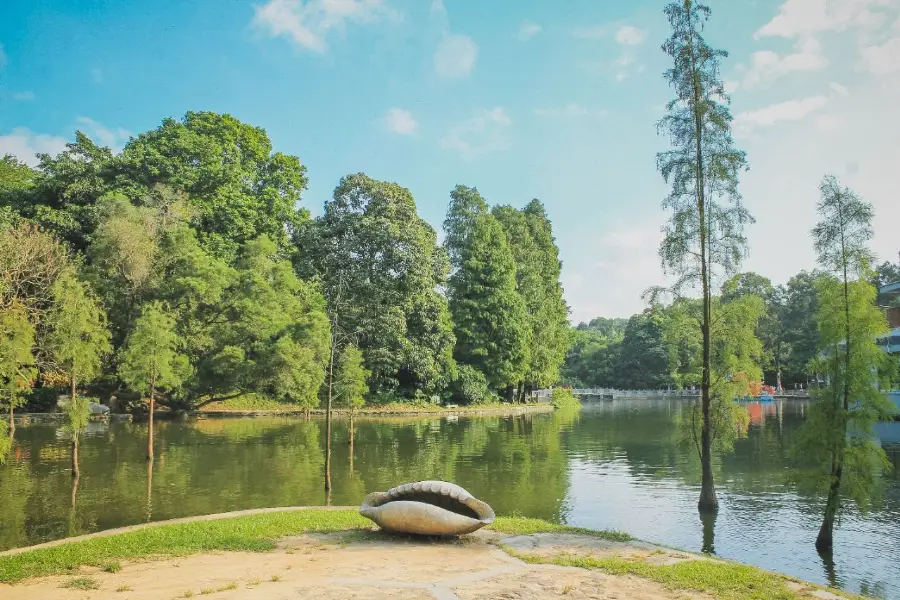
615 465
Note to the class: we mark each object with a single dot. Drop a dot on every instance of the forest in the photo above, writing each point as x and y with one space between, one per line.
651 349
186 269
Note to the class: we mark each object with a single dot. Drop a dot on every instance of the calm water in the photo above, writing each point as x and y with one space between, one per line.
613 466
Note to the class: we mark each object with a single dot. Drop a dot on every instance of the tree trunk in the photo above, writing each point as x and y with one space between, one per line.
150 421
825 539
328 420
76 472
708 501
520 393
352 435
73 388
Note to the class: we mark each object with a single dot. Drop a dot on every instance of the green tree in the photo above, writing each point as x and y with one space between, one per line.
798 323
885 274
79 339
17 370
78 413
836 445
350 385
240 188
373 251
643 359
150 360
489 315
705 231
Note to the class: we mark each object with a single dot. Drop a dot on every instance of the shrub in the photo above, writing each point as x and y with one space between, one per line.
565 399
470 386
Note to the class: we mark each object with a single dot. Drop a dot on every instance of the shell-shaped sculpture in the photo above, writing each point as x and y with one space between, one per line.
427 508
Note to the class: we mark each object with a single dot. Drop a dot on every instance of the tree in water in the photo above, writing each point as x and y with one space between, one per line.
17 369
79 339
78 413
705 230
836 449
350 385
150 360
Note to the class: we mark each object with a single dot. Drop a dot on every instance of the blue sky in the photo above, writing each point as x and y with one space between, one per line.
520 98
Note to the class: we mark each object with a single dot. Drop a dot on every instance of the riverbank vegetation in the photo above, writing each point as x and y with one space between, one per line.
193 243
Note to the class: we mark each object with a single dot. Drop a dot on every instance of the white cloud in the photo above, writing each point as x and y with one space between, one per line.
628 263
625 66
629 35
114 140
24 144
401 121
792 110
881 59
766 67
307 23
801 18
838 89
455 56
26 95
437 8
527 30
572 111
483 133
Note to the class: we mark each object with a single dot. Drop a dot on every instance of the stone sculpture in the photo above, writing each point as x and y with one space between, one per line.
427 508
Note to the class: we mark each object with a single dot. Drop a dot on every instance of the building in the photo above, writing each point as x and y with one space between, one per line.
891 342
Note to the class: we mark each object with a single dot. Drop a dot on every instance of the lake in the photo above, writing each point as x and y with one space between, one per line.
613 466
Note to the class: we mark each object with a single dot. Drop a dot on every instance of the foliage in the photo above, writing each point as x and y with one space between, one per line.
705 231
837 442
887 273
78 414
6 441
17 371
150 358
241 190
530 237
470 387
489 315
79 338
564 399
380 268
350 385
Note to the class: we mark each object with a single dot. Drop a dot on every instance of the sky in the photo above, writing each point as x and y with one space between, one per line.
520 98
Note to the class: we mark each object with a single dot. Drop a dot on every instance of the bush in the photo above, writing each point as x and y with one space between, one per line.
42 399
470 386
565 399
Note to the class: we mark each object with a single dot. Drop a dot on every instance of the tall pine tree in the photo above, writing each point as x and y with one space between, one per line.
705 231
490 318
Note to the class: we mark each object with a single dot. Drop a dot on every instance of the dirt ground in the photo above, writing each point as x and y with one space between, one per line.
343 566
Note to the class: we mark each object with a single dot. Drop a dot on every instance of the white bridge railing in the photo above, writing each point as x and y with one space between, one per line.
668 393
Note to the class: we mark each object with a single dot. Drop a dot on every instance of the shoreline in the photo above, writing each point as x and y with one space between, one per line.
275 551
339 413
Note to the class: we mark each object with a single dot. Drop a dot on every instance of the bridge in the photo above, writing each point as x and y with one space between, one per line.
614 394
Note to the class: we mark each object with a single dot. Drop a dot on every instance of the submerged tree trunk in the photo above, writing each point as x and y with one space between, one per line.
12 423
328 421
75 470
825 539
150 423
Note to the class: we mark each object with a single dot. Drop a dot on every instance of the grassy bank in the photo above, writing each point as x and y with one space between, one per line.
259 404
260 532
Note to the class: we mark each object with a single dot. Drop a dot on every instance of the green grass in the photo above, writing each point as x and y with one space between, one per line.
252 533
719 578
81 583
526 526
124 588
259 533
